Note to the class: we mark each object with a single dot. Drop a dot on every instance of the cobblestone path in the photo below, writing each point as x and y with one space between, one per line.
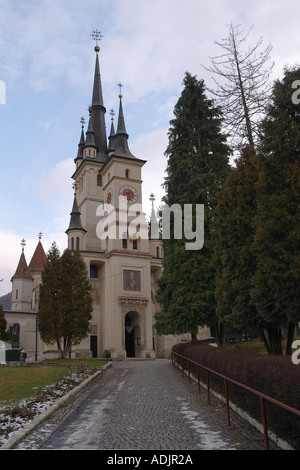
144 405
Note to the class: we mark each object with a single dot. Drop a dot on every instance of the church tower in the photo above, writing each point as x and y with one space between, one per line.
107 226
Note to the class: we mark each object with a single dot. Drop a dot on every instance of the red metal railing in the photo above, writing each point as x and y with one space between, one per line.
263 397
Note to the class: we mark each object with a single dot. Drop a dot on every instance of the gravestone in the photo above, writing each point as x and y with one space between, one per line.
2 353
13 354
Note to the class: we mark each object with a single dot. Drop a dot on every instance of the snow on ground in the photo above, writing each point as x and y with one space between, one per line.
16 415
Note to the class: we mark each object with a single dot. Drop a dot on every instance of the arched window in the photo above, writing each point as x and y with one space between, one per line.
127 173
99 180
72 243
77 243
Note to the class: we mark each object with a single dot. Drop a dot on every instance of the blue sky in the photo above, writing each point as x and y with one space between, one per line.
47 65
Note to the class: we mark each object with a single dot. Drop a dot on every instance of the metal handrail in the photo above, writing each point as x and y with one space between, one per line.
263 397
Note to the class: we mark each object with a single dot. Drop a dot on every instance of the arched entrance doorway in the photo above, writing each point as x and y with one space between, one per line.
132 334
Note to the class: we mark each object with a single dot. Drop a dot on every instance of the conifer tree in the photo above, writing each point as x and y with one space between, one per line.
276 285
65 303
234 234
197 166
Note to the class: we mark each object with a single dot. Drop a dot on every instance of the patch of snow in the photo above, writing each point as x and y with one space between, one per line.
209 440
16 415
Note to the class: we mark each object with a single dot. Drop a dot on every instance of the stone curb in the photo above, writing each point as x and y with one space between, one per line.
14 440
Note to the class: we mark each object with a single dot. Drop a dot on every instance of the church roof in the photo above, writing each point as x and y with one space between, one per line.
22 271
117 143
75 220
38 259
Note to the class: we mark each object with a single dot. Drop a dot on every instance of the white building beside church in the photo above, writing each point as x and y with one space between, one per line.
123 269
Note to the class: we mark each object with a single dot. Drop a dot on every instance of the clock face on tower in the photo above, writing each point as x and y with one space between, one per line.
129 192
109 196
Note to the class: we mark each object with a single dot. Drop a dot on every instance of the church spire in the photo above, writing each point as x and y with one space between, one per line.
89 148
111 138
22 271
81 142
121 138
97 109
75 220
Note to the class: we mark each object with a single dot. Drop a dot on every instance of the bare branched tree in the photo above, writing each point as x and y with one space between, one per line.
243 89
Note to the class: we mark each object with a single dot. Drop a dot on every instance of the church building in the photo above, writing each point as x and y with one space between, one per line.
108 227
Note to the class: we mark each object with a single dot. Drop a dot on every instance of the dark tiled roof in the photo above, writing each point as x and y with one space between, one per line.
38 259
22 271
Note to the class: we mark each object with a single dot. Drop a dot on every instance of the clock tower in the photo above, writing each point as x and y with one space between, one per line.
108 227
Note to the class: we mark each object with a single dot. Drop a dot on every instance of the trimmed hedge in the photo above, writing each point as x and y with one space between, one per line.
275 376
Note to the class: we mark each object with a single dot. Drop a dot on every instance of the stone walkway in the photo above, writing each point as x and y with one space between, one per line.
144 405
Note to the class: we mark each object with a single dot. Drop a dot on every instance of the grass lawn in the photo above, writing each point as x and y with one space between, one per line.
17 383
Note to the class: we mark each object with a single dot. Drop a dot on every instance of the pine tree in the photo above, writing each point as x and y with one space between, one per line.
234 235
65 304
197 166
276 290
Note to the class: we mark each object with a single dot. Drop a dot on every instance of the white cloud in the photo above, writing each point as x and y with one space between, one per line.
54 187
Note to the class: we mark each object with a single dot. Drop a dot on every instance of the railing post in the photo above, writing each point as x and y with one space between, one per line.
198 378
189 371
264 422
207 385
227 401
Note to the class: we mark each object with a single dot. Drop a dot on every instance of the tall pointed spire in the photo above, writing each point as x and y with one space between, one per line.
39 258
81 142
22 271
97 109
90 134
111 138
121 138
75 220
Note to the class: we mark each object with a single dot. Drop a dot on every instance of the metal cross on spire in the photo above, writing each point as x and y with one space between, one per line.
23 244
97 36
120 85
152 198
112 113
82 120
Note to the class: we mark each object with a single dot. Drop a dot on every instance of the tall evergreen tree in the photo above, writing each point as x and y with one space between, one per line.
65 304
234 234
197 166
276 291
